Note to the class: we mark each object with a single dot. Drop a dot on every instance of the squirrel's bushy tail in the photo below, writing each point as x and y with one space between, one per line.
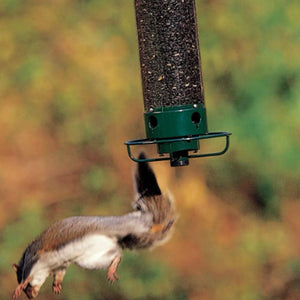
151 200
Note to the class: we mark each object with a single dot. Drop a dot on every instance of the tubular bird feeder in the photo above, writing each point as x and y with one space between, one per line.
175 113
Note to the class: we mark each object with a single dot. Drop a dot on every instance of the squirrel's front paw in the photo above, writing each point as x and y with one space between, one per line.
56 287
17 292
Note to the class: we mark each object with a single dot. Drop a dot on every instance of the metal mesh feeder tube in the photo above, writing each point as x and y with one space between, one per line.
171 77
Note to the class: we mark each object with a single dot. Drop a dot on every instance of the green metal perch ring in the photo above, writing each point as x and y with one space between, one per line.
176 140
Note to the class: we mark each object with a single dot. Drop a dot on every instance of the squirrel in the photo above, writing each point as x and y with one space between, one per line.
96 242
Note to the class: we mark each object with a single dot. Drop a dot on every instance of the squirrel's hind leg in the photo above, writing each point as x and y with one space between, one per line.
112 269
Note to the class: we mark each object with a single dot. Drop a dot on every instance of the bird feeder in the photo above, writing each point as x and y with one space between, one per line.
175 113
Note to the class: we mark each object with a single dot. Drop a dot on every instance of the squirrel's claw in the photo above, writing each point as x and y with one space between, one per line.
17 292
112 276
56 287
22 286
58 277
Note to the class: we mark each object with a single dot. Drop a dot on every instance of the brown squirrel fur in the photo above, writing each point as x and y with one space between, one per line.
96 242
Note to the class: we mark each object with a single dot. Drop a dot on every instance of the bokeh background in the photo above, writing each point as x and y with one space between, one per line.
70 93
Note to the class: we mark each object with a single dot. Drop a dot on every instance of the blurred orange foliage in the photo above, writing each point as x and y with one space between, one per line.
71 95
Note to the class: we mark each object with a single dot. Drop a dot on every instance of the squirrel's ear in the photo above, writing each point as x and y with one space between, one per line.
16 267
146 184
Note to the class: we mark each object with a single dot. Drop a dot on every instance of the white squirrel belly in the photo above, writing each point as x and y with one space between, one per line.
94 251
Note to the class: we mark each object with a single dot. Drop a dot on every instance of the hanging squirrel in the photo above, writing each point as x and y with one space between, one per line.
96 242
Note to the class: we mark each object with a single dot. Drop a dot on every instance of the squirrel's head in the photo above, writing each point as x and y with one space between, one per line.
18 271
29 290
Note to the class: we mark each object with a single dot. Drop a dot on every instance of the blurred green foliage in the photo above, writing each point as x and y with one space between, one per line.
71 95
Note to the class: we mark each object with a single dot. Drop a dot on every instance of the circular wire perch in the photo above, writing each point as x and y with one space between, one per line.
175 112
